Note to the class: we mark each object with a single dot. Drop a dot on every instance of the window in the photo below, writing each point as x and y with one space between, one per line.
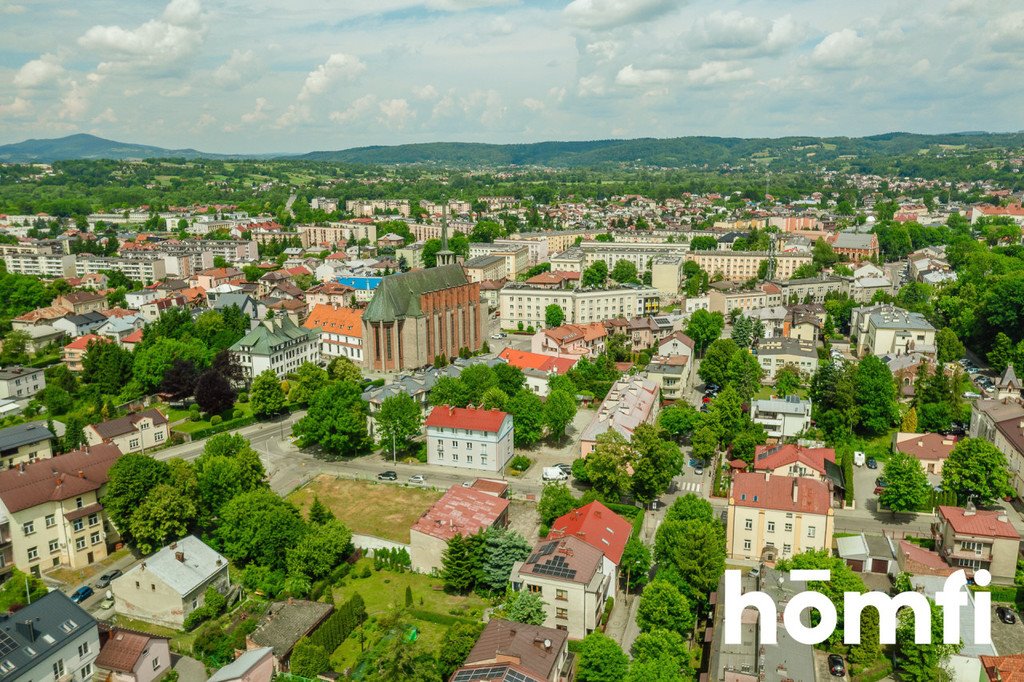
143 426
455 443
87 671
33 553
562 614
563 628
483 460
748 524
746 545
94 539
811 531
156 663
195 603
80 543
78 524
78 503
133 443
771 526
158 436
469 446
83 648
94 519
51 520
469 459
534 589
786 549
58 669
562 595
455 457
29 527
152 587
54 546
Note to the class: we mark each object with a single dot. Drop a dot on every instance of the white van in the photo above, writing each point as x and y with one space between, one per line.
554 474
859 458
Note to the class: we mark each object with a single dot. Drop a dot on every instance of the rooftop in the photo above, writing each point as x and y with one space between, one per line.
791 404
532 647
781 493
241 665
285 623
15 436
461 511
471 418
978 522
567 558
628 404
598 526
336 320
183 565
58 478
544 363
269 335
122 649
29 638
127 424
928 446
397 296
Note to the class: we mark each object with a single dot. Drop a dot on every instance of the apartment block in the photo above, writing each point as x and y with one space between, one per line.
21 383
145 270
774 354
469 438
774 517
631 401
972 539
521 302
25 443
744 265
46 265
276 344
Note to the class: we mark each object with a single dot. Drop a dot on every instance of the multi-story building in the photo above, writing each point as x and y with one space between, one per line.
571 259
341 331
805 289
744 265
724 297
80 302
416 316
145 270
776 353
639 255
79 325
671 374
367 208
25 443
52 512
888 330
52 638
782 417
855 246
568 576
46 265
507 650
469 438
460 511
774 517
75 351
599 527
571 340
413 255
667 274
973 539
516 258
1001 422
631 401
135 432
21 383
337 235
484 268
276 344
526 303
215 277
537 367
130 656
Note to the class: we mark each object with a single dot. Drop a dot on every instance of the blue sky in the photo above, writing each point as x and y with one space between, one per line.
262 76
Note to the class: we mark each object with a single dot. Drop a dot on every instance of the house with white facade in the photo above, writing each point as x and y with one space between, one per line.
469 438
782 417
52 638
276 344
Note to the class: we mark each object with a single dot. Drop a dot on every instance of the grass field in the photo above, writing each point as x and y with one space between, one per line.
385 511
385 590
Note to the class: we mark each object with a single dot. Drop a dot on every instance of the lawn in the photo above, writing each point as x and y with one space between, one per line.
192 427
383 510
385 590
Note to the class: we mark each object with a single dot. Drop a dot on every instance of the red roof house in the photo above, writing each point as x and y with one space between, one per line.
469 418
460 511
598 526
536 361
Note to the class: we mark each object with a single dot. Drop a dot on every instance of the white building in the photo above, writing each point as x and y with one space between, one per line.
469 438
47 265
782 417
276 344
21 383
52 638
526 303
888 330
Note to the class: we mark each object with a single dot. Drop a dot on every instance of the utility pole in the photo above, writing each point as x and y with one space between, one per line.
394 454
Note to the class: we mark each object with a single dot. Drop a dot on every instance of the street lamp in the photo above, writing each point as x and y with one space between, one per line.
394 454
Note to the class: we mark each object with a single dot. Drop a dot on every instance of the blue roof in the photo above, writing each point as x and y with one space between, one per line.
360 283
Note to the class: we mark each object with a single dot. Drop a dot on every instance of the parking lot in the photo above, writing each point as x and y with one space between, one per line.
1007 639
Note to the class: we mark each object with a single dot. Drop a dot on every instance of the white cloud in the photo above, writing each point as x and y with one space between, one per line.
500 26
590 86
75 103
11 8
842 49
236 70
463 5
39 72
633 77
711 73
921 67
337 66
258 113
294 115
18 107
357 110
745 34
599 14
395 113
425 92
174 36
533 104
604 50
108 116
205 120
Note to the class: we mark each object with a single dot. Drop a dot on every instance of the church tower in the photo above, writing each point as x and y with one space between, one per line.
445 256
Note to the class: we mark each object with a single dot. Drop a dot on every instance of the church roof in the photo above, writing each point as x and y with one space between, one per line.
398 295
1009 379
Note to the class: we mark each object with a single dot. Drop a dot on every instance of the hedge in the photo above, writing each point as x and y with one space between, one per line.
340 624
1002 593
438 618
230 424
634 514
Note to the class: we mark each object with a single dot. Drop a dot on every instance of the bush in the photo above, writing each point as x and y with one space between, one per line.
243 397
193 412
216 420
519 463
544 530
238 413
192 620
340 624
437 618
609 604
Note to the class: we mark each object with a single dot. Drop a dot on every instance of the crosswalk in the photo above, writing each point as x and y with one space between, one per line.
691 487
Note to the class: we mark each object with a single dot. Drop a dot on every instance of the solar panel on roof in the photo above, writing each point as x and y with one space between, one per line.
501 673
7 644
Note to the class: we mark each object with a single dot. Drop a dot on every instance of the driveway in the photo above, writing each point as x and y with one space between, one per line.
1007 639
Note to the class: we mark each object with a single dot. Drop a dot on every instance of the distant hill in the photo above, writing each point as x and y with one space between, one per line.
83 146
672 152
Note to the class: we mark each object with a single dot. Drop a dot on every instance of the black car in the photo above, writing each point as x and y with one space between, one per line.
880 482
836 665
107 578
566 468
387 476
872 463
1006 615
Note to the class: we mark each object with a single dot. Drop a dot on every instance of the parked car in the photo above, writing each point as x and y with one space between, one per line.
1006 615
836 665
467 484
872 463
699 471
387 476
881 482
566 468
878 490
499 335
107 578
859 458
970 395
81 594
417 478
555 474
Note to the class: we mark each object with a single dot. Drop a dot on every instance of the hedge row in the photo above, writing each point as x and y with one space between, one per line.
340 624
634 514
437 618
223 426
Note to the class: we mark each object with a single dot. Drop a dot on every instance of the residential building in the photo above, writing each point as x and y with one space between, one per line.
639 255
341 331
135 432
972 539
417 316
490 289
117 328
889 330
631 401
1002 424
170 584
255 665
724 297
571 259
152 310
52 638
774 354
25 443
21 383
537 367
931 449
284 624
1008 387
76 350
130 656
413 255
517 651
338 234
482 268
370 208
571 340
469 438
249 306
1009 668
516 258
676 344
856 246
671 374
555 280
78 325
277 344
799 462
567 574
460 511
215 277
774 517
79 302
330 293
524 303
741 266
52 513
45 265
145 270
869 553
782 417
599 527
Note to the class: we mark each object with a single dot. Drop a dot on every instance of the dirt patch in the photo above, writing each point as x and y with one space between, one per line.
86 574
384 510
522 517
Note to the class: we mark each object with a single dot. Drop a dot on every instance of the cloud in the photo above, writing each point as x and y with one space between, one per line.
395 113
601 14
39 72
76 102
590 86
842 49
258 113
921 67
711 73
533 104
11 8
173 37
108 116
338 65
205 119
603 50
236 70
632 77
425 92
358 109
748 34
464 5
18 107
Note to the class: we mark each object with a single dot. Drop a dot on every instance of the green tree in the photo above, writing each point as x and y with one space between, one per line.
308 659
948 345
679 419
908 488
705 443
450 391
527 412
655 462
458 641
305 382
320 551
635 565
625 272
106 365
744 374
976 471
714 366
600 660
336 422
909 423
522 607
458 565
502 548
556 499
606 466
343 369
153 361
319 514
922 662
399 420
1001 353
788 380
130 480
494 399
477 379
691 555
596 275
704 327
511 379
559 412
165 515
690 507
259 527
554 316
876 396
662 607
842 580
266 395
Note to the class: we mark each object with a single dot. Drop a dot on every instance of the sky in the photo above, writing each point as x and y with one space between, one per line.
257 76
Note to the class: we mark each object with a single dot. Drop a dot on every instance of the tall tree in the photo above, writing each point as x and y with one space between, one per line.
458 566
502 548
606 466
596 275
510 379
343 369
522 607
655 462
335 421
305 382
320 551
214 393
922 662
559 412
259 527
625 272
662 607
679 419
635 564
600 660
714 366
976 471
399 420
876 396
165 515
180 379
704 327
527 417
554 316
130 480
691 554
266 395
948 346
908 488
556 499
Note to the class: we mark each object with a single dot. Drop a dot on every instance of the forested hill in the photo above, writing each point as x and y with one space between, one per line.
84 146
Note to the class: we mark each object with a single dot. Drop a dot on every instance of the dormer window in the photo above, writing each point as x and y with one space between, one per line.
68 625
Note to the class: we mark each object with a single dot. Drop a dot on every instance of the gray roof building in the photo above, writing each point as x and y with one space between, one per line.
285 623
50 629
14 437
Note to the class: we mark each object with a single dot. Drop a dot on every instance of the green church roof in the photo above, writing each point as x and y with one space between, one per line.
398 296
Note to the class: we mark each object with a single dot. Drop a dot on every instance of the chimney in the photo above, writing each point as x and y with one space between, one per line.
180 556
81 474
1003 517
27 629
970 509
796 489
